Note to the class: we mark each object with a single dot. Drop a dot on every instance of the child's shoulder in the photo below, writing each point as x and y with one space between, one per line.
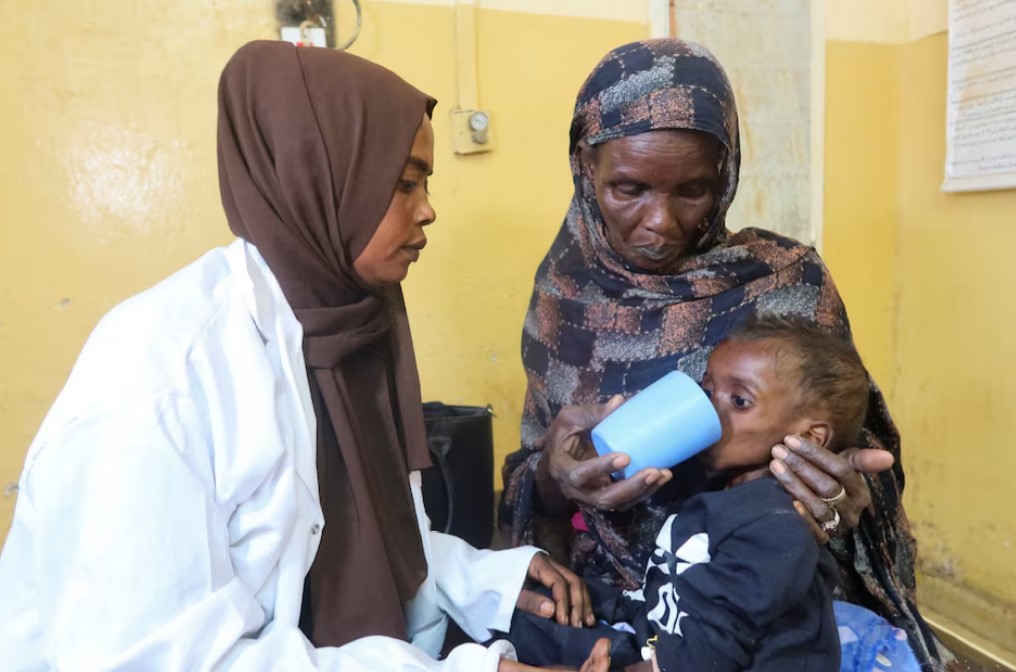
754 498
758 504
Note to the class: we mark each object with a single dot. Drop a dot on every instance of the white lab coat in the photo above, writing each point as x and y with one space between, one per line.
168 509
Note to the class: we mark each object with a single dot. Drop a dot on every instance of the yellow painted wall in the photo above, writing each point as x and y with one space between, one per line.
861 193
869 21
926 278
955 352
108 179
107 176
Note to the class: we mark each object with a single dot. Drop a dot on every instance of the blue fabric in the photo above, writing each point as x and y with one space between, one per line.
869 643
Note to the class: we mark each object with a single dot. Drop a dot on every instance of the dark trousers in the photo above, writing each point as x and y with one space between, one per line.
543 642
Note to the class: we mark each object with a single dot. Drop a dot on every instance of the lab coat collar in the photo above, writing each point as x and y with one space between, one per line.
275 321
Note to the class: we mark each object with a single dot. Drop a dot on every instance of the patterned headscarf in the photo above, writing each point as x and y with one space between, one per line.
597 326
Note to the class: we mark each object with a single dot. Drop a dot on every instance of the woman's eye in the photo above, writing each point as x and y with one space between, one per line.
709 393
739 401
694 191
407 186
629 189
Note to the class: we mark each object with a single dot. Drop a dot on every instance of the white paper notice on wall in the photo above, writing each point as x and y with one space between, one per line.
981 105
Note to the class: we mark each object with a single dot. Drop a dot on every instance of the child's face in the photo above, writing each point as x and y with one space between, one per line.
756 399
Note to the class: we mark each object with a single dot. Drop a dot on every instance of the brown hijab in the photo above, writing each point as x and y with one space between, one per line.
311 145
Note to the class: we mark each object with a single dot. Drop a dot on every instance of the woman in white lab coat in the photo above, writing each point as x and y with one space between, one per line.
254 420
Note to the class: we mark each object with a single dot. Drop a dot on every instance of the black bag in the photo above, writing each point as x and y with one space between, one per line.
458 491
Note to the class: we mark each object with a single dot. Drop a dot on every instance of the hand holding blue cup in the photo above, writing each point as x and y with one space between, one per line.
665 424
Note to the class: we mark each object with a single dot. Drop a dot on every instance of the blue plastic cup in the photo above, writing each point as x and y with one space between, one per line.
663 425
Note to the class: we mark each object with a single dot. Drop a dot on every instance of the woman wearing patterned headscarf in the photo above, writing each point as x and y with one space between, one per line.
644 278
254 421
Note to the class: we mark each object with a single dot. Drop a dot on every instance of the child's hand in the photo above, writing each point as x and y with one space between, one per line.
570 605
599 657
598 661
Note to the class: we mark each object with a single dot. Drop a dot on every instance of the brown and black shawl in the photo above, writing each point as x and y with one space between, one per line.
311 144
597 327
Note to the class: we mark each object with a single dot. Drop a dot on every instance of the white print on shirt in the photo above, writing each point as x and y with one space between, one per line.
664 563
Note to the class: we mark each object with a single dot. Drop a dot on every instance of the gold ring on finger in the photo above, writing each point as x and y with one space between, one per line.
835 499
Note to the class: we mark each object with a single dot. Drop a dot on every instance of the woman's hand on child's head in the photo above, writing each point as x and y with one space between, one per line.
830 489
570 605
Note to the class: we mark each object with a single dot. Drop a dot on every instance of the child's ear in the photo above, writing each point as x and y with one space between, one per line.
818 432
